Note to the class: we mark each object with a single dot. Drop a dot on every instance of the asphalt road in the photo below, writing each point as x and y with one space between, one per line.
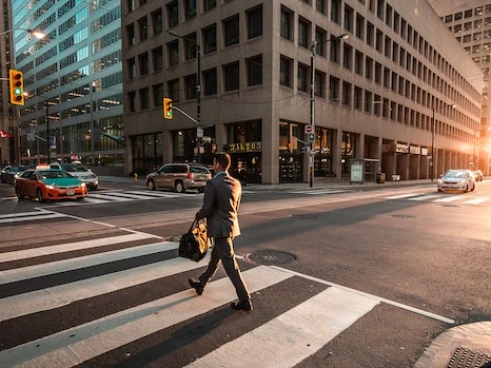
353 279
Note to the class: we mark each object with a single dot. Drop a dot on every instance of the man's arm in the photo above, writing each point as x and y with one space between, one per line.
208 202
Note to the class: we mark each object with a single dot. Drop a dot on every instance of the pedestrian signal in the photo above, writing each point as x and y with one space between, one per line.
167 108
16 79
311 138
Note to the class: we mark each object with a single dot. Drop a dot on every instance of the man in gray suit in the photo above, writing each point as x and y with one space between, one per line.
220 205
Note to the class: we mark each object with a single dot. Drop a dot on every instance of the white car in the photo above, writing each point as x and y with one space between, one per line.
457 180
80 172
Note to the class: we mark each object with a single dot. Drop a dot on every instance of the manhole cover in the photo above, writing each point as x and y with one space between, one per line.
270 258
466 358
448 205
402 216
304 216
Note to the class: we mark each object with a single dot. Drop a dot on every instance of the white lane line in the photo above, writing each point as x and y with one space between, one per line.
90 199
108 333
71 264
477 200
26 214
449 199
316 192
109 198
30 218
293 336
68 247
62 295
377 298
402 196
423 198
125 195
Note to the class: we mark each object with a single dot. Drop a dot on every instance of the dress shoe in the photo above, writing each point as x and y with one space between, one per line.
196 286
246 306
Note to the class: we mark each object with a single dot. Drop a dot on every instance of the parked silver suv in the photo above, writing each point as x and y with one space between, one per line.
179 177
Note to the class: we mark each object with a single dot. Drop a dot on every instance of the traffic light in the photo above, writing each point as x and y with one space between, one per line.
16 79
167 108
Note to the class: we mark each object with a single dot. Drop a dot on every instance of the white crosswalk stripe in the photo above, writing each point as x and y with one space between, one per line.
282 341
321 191
441 198
28 216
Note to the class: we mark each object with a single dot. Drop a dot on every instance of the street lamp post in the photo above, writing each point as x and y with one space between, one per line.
48 137
199 129
312 99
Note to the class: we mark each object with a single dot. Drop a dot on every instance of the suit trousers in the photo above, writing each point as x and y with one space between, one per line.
223 251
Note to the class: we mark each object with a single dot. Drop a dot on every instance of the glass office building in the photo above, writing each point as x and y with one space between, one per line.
73 79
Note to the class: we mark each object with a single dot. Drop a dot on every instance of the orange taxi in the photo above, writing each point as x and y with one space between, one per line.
47 184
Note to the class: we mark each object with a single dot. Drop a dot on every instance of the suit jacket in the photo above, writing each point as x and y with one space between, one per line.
220 206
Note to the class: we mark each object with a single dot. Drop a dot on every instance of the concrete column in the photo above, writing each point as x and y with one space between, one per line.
360 145
336 153
270 151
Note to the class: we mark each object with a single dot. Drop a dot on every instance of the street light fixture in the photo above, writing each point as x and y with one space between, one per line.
432 166
312 98
199 129
36 33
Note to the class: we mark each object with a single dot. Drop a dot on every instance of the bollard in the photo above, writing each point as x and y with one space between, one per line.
135 177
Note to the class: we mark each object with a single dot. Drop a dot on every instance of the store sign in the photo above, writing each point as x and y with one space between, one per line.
245 147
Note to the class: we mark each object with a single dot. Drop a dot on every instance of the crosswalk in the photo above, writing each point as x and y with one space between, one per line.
84 301
321 191
442 198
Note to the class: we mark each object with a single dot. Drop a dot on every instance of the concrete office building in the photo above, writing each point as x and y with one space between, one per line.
7 144
74 77
470 22
393 92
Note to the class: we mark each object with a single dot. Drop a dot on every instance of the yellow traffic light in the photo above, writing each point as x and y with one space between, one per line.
168 108
16 79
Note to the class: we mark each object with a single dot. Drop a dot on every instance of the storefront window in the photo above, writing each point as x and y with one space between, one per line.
147 153
347 152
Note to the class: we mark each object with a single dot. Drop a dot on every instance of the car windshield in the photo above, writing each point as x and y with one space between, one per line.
456 174
199 170
53 174
75 168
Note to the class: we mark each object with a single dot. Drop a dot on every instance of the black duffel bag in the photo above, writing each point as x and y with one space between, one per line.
195 243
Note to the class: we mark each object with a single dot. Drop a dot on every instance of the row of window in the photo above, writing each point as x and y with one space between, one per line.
230 76
476 12
230 30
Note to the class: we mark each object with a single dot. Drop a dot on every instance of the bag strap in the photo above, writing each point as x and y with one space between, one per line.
194 224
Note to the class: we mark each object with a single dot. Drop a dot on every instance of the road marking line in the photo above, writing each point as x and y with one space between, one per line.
29 272
448 199
106 197
402 196
382 300
477 200
293 336
38 216
69 247
423 198
108 333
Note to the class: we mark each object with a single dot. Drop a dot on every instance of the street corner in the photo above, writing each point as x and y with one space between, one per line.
461 346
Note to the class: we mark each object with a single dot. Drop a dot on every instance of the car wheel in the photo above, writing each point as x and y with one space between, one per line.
18 193
466 188
179 187
41 199
80 198
150 185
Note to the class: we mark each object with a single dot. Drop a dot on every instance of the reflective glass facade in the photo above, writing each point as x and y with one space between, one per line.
73 78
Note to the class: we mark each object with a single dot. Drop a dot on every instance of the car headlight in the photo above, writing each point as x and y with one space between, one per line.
82 185
440 181
50 186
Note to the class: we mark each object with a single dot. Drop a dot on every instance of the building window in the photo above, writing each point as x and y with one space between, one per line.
132 101
173 14
210 39
130 31
157 21
334 89
173 51
302 77
255 22
348 18
286 23
335 50
285 71
143 63
209 4
320 6
143 24
158 59
347 56
358 98
190 43
358 63
231 76
131 5
336 11
189 8
190 85
210 81
320 38
173 89
370 33
346 100
231 30
255 70
320 83
303 33
144 97
368 68
131 64
158 94
360 26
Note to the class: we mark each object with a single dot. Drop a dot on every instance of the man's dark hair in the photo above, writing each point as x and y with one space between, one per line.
224 160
